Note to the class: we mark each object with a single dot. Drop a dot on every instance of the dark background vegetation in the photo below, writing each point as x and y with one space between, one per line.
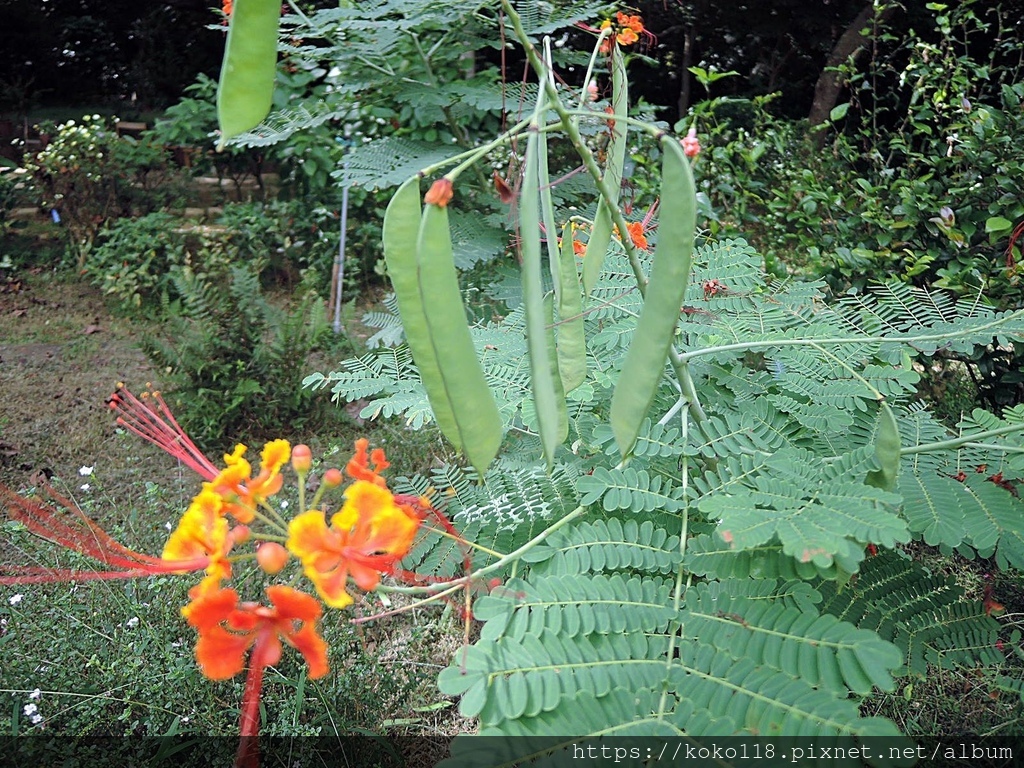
61 52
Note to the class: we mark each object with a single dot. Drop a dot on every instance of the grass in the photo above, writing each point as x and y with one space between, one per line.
115 658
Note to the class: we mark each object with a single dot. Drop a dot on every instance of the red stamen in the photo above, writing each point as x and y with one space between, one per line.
80 535
161 429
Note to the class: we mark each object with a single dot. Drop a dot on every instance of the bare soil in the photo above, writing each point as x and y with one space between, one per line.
61 356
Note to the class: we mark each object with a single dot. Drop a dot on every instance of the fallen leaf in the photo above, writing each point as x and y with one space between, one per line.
90 329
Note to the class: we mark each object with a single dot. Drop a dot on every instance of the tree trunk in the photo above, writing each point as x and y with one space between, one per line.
685 77
849 46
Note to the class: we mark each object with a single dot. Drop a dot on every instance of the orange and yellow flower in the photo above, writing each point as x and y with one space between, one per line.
367 537
203 532
636 234
227 629
635 229
627 30
241 492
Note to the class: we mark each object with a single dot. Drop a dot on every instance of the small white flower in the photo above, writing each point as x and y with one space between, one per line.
36 719
15 599
35 695
169 526
284 505
83 471
30 709
85 486
132 622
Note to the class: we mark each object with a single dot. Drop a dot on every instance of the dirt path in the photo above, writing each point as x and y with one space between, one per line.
61 354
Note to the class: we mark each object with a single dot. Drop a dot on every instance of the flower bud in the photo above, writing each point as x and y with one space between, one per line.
302 458
333 478
272 557
440 193
691 146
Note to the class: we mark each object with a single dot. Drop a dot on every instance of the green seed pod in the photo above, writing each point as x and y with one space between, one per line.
644 364
250 65
887 451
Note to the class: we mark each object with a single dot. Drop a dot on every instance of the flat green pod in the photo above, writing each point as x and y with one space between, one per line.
460 386
548 395
887 451
401 233
601 233
571 341
644 364
247 75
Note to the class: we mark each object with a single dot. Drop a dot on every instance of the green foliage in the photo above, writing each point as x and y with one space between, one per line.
189 128
289 238
89 174
919 180
132 260
924 614
716 579
235 358
11 183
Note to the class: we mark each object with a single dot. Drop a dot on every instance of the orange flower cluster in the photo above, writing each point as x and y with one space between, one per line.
627 30
636 231
366 538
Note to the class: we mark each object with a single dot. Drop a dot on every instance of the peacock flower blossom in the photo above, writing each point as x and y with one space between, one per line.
626 29
203 531
227 629
358 467
636 234
368 536
243 493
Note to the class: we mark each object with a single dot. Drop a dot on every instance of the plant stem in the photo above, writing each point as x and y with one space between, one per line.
905 340
960 442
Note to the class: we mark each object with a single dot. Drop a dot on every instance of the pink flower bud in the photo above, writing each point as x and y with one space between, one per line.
691 146
302 458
